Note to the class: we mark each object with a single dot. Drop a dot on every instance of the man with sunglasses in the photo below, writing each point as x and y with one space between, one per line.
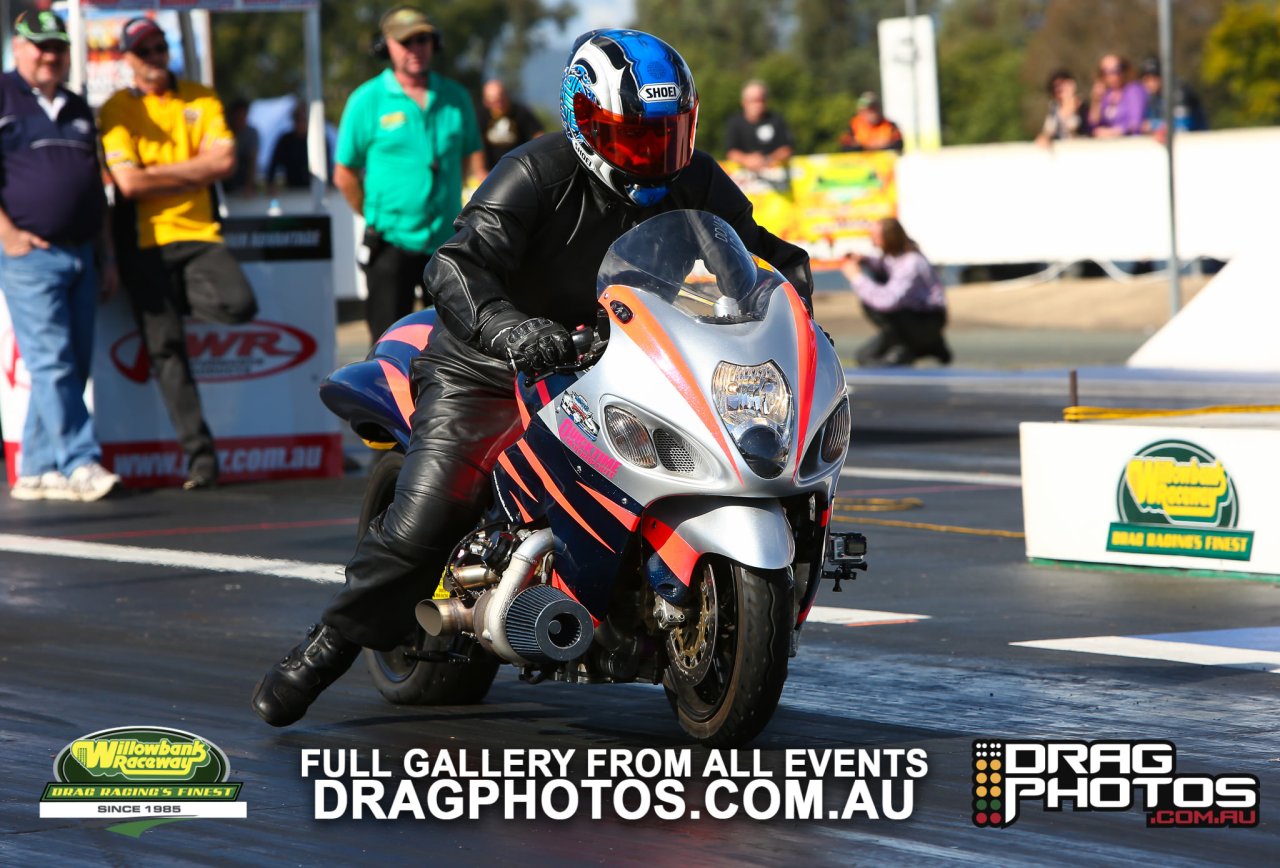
406 139
166 141
54 259
518 274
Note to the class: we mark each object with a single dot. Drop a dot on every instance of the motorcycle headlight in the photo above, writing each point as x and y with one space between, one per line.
754 402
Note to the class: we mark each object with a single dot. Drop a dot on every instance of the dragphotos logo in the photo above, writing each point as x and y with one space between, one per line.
1105 776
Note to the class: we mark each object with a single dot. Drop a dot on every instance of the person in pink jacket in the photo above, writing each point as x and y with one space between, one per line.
903 298
1117 103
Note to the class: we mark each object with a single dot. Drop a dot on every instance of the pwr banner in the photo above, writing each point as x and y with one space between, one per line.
258 381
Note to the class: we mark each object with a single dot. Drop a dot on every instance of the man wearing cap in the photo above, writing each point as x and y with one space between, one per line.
406 139
55 259
166 141
870 130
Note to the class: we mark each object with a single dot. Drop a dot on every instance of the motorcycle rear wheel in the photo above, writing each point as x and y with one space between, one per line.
729 661
401 678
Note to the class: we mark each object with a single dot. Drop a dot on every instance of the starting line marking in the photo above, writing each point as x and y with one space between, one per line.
859 617
94 551
1255 659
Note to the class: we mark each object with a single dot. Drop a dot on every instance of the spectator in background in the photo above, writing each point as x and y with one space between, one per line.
289 157
244 179
166 141
1068 114
504 125
405 141
1117 103
52 212
1188 114
903 298
758 138
870 130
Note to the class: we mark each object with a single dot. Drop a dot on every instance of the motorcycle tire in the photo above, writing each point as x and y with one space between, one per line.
400 677
726 700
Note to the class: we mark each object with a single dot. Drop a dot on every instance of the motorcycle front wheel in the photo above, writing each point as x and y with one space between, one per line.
728 661
401 676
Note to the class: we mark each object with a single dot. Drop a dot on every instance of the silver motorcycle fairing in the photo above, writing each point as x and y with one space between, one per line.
754 533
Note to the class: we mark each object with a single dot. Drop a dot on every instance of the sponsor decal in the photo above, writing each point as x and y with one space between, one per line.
1176 498
1105 776
573 437
224 354
663 92
149 464
576 408
144 775
278 239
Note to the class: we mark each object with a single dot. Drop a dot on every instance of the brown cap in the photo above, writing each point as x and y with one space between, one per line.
404 21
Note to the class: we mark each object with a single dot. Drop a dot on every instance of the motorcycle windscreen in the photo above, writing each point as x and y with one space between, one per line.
696 263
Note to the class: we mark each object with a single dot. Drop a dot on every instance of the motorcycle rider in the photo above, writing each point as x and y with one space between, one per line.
519 273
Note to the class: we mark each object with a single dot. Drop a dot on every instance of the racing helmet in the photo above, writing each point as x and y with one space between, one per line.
630 108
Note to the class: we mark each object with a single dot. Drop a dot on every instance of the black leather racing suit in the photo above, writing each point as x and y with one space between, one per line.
529 244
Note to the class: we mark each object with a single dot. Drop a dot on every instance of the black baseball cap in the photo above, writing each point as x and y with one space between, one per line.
41 26
1150 66
137 29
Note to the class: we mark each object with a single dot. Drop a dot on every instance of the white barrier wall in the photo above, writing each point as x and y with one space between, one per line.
1194 494
1090 199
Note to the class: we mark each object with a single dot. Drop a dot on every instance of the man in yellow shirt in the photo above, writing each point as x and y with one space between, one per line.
166 141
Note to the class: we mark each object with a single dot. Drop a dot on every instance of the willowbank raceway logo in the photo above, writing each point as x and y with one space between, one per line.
143 776
1175 498
1105 776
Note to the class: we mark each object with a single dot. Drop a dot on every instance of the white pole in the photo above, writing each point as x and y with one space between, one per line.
78 82
317 152
915 83
1169 86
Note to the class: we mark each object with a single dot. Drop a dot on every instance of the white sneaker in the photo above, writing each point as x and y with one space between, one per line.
90 482
51 485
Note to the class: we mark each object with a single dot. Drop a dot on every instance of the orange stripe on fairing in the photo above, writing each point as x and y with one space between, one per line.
556 493
413 335
629 519
524 513
653 341
674 551
398 383
805 614
524 411
560 585
826 517
543 395
808 352
506 464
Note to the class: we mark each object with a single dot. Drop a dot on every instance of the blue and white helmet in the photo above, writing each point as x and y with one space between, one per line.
629 106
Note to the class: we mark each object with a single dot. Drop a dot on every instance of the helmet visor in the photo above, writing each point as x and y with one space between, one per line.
645 147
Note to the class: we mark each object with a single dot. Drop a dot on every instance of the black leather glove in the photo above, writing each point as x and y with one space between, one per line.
539 345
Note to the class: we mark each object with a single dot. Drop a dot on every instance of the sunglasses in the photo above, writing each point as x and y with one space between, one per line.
417 40
155 49
53 46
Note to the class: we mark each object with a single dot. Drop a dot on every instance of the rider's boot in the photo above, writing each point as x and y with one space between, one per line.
288 689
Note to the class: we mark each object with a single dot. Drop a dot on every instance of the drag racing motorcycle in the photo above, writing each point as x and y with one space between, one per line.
663 515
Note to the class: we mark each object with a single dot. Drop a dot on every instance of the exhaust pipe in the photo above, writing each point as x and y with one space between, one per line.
491 609
445 617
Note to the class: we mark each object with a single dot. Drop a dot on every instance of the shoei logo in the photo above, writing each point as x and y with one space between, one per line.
1105 776
223 354
1176 498
144 775
659 92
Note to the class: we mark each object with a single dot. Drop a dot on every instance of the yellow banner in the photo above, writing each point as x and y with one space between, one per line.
824 203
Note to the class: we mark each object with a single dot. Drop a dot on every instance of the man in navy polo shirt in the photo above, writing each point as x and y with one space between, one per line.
52 241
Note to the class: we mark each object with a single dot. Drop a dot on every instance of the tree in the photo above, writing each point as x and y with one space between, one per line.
261 55
1242 66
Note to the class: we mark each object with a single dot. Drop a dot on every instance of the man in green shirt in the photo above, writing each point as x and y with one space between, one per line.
406 139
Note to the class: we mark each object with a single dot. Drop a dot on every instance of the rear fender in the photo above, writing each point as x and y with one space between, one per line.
754 533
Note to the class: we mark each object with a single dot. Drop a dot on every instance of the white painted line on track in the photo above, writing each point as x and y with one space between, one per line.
1173 652
94 551
998 479
858 617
